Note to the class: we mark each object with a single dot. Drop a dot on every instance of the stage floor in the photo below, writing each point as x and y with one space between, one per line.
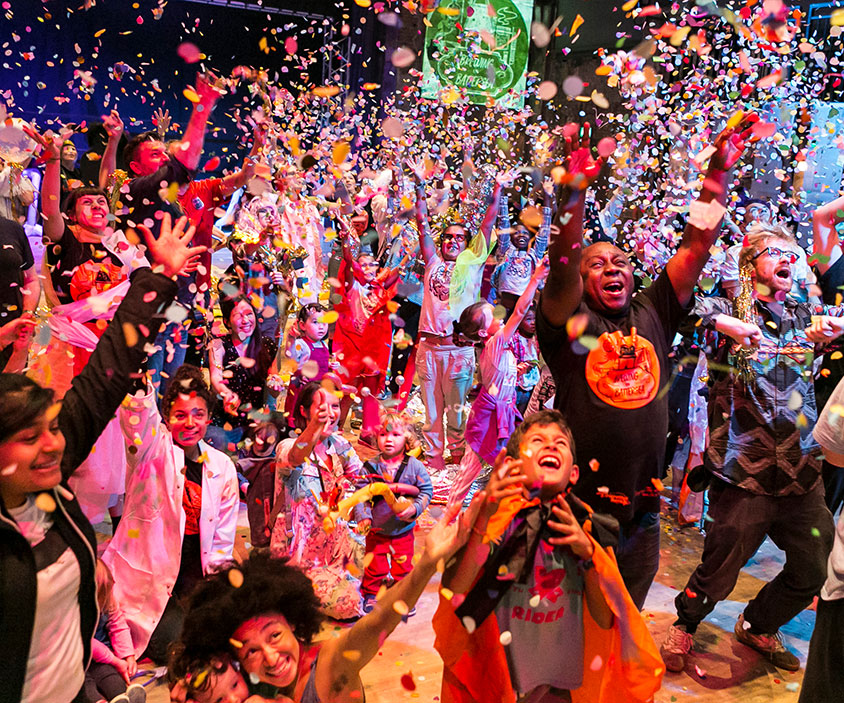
720 669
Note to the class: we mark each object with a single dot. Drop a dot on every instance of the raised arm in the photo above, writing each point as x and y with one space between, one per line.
826 246
342 658
426 241
525 300
51 187
240 178
564 289
111 372
540 242
194 136
684 268
114 128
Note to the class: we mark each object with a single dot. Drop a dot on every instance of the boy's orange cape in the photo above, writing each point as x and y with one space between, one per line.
620 665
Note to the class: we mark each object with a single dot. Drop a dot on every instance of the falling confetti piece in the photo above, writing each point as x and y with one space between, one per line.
401 608
236 578
403 57
534 601
191 95
352 655
575 25
572 86
468 623
45 502
506 638
407 679
596 664
546 90
189 53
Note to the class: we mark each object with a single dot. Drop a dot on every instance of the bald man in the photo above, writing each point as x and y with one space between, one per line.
608 352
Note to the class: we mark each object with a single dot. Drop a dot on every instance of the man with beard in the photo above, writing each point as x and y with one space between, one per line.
608 350
763 457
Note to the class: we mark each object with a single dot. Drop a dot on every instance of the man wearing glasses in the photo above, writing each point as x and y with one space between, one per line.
766 478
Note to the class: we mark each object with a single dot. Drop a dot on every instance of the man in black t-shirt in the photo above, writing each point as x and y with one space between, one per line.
156 178
608 352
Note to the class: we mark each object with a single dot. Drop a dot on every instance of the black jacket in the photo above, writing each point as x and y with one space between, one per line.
87 408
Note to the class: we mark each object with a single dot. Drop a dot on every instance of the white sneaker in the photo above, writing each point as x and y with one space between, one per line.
676 647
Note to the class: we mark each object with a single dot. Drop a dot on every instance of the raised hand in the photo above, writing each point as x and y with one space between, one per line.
418 168
50 142
170 252
113 124
731 143
507 479
579 168
209 88
824 329
161 120
747 334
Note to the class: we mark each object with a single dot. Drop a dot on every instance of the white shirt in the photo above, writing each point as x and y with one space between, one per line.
436 317
55 671
498 367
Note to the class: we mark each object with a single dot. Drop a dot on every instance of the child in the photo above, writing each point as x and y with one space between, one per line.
541 569
493 415
390 539
526 351
309 350
313 471
363 333
215 680
113 662
517 259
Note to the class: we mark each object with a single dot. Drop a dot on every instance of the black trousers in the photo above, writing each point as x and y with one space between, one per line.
166 632
833 482
101 681
799 525
824 679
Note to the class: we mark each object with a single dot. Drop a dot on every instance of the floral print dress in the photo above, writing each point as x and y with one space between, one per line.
333 467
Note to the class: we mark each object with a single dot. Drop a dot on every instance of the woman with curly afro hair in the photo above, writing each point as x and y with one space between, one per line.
264 614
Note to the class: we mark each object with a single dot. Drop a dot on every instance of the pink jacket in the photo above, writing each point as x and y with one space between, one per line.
121 639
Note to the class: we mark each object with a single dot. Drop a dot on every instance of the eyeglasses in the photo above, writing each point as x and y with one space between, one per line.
777 253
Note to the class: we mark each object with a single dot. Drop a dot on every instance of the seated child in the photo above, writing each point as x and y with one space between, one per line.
113 657
530 563
390 537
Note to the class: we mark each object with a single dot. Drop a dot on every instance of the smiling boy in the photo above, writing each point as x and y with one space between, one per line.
526 572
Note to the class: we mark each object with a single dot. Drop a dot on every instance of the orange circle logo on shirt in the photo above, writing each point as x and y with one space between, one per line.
623 371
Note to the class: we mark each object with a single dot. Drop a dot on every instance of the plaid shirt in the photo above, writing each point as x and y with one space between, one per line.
760 432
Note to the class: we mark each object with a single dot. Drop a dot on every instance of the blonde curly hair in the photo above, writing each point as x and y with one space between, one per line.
392 419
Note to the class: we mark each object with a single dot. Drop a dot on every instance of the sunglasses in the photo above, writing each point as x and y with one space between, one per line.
778 253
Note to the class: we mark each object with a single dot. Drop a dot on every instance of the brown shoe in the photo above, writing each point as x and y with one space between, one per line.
769 645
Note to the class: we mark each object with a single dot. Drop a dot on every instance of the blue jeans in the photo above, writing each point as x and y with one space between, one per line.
638 554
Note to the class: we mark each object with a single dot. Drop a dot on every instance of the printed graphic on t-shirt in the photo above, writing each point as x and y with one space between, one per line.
623 371
93 277
192 503
440 281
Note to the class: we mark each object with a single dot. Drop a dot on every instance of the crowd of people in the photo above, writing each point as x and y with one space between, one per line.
377 340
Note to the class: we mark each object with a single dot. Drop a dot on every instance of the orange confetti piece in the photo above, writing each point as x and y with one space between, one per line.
575 25
191 95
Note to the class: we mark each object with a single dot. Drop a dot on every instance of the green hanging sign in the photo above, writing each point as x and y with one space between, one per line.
478 50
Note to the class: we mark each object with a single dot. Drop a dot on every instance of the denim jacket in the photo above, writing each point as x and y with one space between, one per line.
760 431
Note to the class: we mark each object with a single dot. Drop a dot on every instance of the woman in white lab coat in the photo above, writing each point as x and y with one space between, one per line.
181 509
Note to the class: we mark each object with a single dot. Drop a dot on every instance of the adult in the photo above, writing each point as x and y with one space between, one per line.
826 244
445 368
824 677
180 515
612 392
156 176
48 548
265 614
767 478
240 363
